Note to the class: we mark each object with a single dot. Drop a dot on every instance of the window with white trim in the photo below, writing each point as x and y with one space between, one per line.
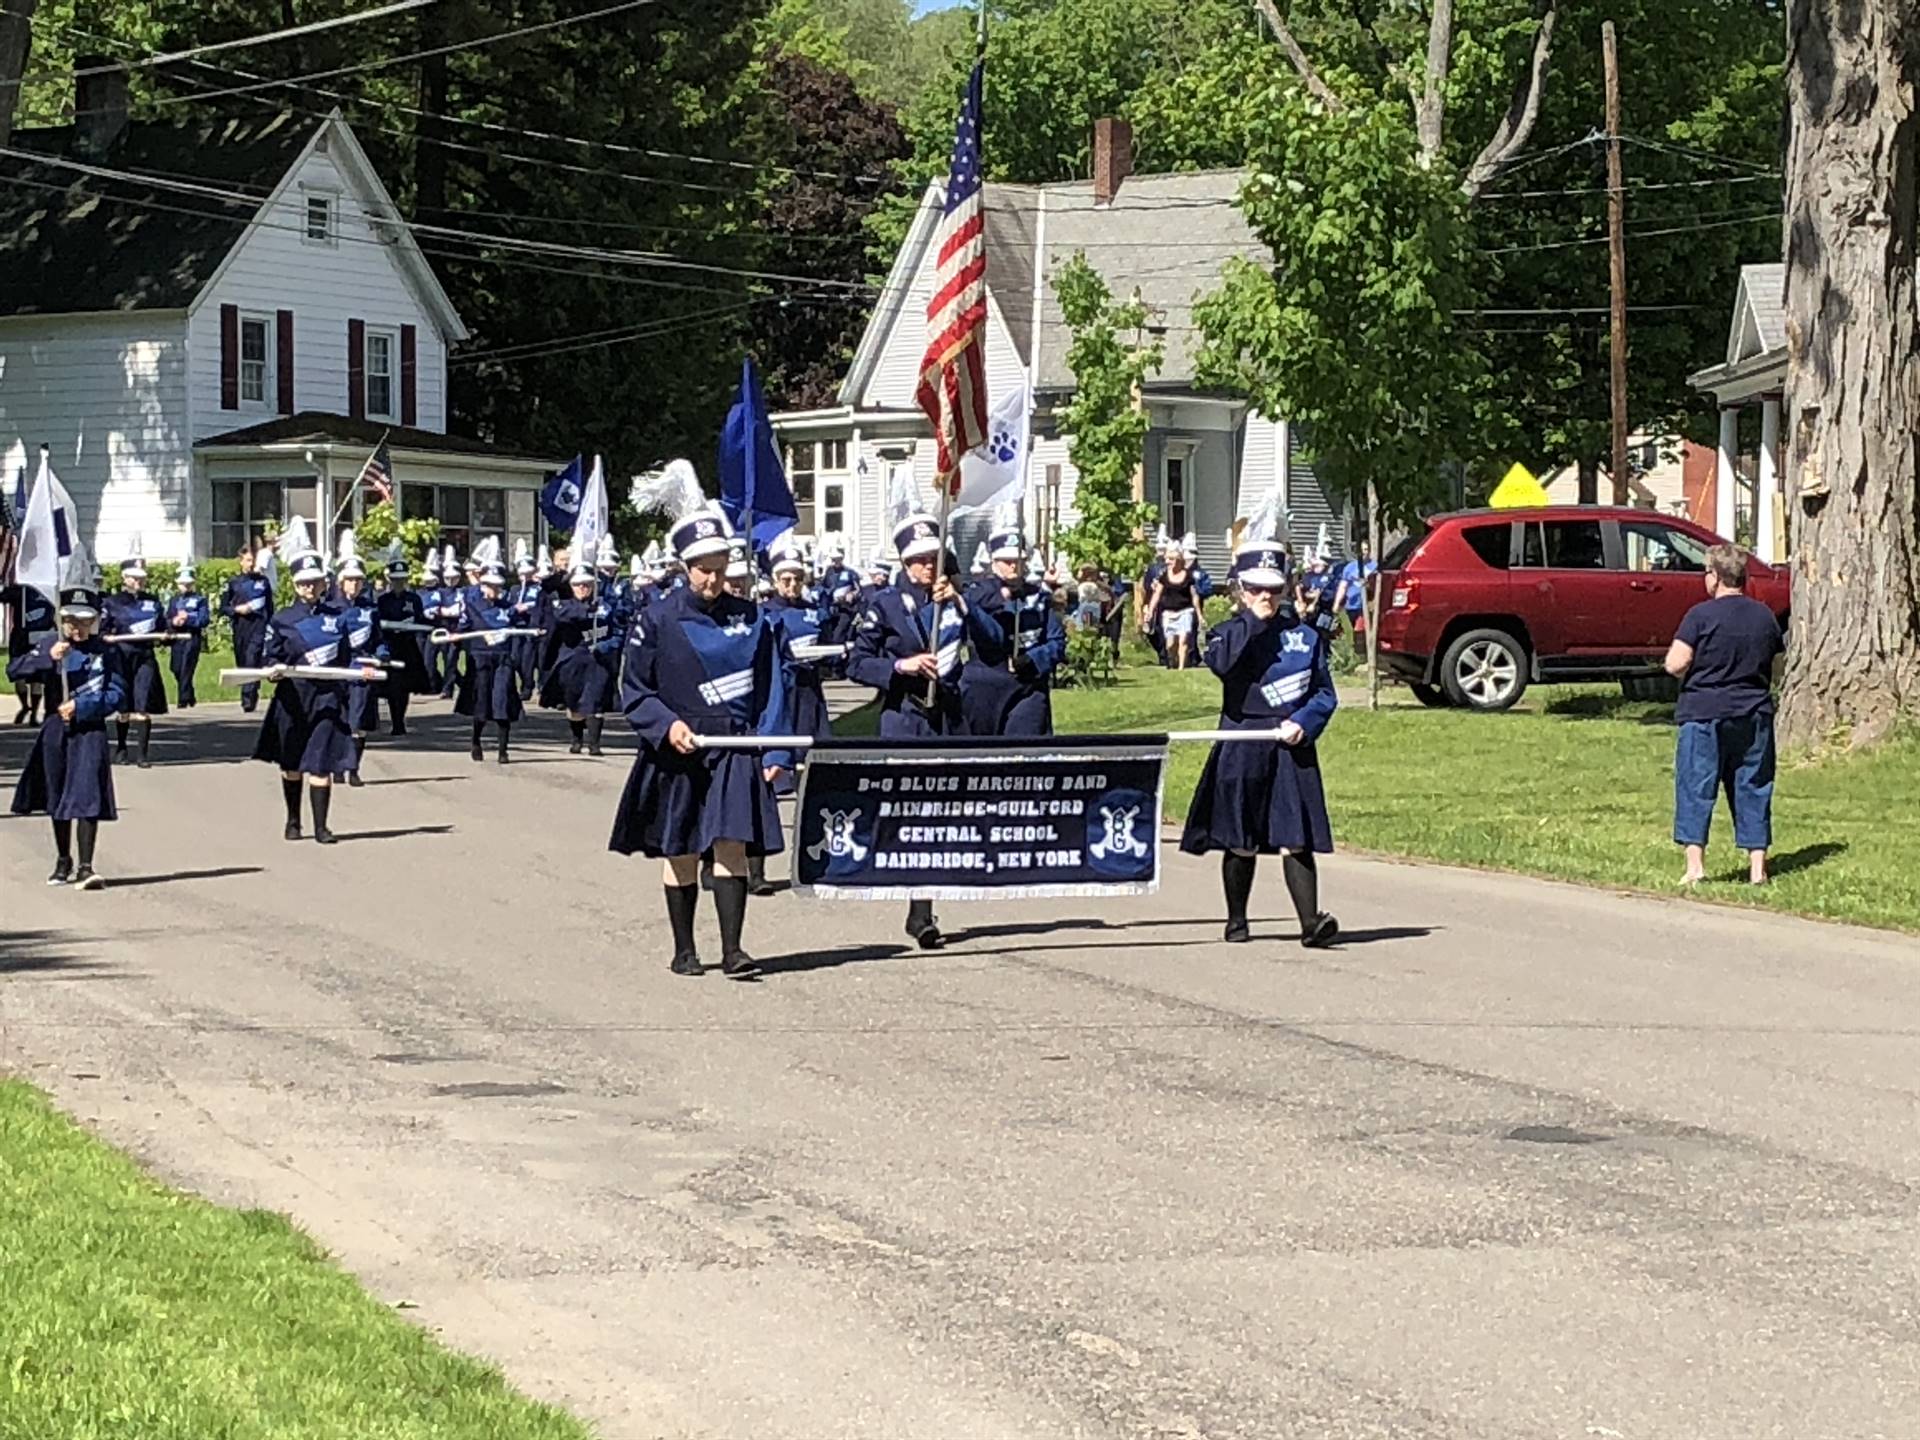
383 364
256 359
830 489
317 224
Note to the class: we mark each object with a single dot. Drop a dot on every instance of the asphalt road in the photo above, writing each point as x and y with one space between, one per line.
1518 1160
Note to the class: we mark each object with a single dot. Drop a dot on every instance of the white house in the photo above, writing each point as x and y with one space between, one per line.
1209 458
211 325
1748 505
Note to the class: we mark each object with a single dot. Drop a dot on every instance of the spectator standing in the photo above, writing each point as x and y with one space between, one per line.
1352 596
1723 655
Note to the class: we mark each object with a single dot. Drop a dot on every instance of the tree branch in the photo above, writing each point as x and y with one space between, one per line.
1517 125
1315 85
1430 107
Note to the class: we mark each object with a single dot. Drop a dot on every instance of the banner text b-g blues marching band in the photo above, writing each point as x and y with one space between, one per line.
942 820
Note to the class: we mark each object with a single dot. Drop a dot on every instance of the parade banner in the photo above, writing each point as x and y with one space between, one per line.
952 819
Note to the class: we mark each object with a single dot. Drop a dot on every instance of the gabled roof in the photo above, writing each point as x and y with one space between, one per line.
71 242
1168 236
1759 313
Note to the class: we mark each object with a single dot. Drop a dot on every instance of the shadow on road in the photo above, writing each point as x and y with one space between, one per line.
1378 934
829 959
345 836
25 953
130 882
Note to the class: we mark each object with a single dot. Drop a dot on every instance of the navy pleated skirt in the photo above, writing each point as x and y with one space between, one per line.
140 672
363 707
69 774
678 804
409 675
490 690
1259 795
306 729
810 715
582 683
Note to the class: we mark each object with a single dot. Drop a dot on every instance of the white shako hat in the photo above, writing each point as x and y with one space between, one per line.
1260 559
788 556
1005 542
493 574
349 567
308 567
185 574
737 566
135 564
697 526
582 575
636 565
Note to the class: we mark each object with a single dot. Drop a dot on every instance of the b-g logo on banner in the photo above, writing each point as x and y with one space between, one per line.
836 836
1119 841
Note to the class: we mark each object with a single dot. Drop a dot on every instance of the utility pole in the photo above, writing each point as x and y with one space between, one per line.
1617 246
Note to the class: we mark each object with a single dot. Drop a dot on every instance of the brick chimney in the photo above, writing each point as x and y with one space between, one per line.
99 104
1112 157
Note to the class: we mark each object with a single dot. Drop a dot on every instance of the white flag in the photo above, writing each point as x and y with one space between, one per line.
48 534
592 523
996 473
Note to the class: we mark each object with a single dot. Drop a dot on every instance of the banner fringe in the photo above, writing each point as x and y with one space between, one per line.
898 893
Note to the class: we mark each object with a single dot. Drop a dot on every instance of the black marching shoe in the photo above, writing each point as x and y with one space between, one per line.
62 872
143 763
353 779
922 928
323 836
293 830
1237 932
501 755
757 882
397 730
21 717
685 962
1321 933
575 747
478 753
85 879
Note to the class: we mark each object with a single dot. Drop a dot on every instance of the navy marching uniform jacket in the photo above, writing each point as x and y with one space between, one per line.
1017 643
896 625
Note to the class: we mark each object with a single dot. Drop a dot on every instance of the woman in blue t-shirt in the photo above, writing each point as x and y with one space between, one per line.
1723 655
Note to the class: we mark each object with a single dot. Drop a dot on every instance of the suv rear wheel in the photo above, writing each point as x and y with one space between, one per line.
1485 670
1433 697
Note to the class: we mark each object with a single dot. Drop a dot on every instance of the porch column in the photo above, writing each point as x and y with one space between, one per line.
1726 473
1767 500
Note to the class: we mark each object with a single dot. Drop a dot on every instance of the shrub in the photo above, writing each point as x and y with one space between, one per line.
1089 661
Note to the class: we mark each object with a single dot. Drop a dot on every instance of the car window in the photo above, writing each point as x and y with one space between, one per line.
1652 546
1492 543
1563 545
1399 554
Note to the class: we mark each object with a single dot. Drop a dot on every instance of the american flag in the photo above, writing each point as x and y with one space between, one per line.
953 373
378 471
13 514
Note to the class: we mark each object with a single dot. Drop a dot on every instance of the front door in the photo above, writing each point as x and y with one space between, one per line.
1666 569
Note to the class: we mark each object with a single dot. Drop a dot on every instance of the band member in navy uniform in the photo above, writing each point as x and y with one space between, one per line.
409 675
247 602
69 774
453 604
32 620
1264 797
490 690
188 614
360 614
800 624
1016 640
580 665
306 732
524 599
701 662
143 694
917 673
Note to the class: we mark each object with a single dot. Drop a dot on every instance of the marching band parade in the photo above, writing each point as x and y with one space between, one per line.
701 644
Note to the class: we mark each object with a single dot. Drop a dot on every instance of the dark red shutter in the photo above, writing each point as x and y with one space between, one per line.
409 350
357 369
229 357
283 351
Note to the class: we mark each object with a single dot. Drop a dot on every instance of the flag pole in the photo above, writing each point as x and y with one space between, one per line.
352 490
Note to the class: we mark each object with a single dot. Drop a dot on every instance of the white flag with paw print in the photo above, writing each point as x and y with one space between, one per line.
996 473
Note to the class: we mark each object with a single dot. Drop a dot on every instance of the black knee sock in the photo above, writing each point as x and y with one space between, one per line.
593 731
398 705
730 904
89 832
320 797
681 900
479 729
63 839
290 792
1303 884
1236 879
359 748
146 736
501 725
579 729
120 728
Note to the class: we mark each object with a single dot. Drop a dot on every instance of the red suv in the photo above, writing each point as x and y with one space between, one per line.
1488 601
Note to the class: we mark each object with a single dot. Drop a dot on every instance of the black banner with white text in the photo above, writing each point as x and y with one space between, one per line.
954 819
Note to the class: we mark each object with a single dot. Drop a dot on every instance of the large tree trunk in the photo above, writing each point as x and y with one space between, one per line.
1853 369
16 35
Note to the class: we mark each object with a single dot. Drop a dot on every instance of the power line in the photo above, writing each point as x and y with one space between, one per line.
1720 224
291 32
1636 189
1705 156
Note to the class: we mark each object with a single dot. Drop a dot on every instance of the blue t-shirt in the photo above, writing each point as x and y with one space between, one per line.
1735 640
1351 575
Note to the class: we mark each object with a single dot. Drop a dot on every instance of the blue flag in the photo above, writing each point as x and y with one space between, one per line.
560 498
752 480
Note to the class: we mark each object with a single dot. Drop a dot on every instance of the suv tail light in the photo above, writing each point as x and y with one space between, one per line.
1406 595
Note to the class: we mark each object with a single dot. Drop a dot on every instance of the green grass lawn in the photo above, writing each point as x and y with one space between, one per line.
1576 785
131 1312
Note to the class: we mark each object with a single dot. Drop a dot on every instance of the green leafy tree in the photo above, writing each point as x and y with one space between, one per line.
381 525
1105 425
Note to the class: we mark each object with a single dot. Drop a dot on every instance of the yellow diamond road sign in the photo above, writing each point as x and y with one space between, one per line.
1520 487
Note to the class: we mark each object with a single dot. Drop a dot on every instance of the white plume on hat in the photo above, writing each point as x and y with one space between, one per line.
1190 545
294 541
1269 521
980 559
521 550
673 490
637 565
449 562
349 555
486 553
135 562
80 573
903 494
607 554
545 560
